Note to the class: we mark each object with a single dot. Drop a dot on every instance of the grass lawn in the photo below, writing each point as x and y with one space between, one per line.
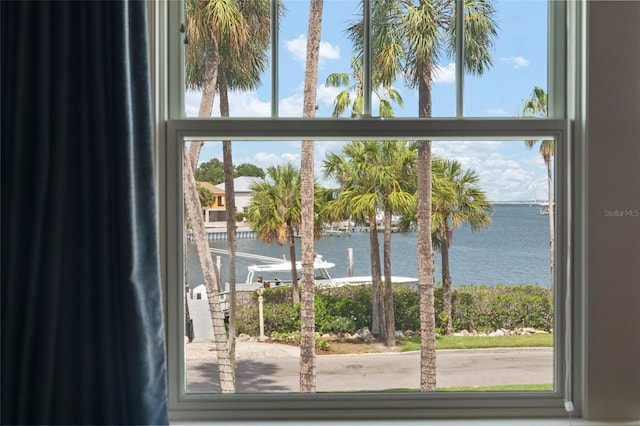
544 387
541 387
478 342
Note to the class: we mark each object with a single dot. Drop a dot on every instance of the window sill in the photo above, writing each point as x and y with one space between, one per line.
462 422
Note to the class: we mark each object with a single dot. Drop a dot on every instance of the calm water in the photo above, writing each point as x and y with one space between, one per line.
513 250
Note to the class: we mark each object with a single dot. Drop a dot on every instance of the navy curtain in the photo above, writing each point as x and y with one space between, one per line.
81 303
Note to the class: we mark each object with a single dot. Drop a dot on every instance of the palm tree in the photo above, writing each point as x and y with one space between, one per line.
398 161
307 312
214 28
193 208
409 38
207 29
227 45
275 211
358 198
240 72
373 175
344 98
468 204
536 106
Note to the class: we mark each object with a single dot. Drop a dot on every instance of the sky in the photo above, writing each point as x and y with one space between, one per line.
508 170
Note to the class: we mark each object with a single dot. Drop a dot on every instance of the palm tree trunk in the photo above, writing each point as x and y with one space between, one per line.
446 277
377 316
187 316
208 95
192 201
390 318
307 310
294 270
551 223
230 210
425 250
307 314
230 207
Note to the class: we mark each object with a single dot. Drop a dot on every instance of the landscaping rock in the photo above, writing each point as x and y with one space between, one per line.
243 337
365 335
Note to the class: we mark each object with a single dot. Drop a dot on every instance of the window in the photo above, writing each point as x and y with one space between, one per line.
469 136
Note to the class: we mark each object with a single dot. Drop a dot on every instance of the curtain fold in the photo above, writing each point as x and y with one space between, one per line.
81 303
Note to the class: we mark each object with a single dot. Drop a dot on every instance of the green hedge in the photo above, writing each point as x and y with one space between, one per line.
346 309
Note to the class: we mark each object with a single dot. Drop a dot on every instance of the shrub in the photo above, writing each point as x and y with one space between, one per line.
489 308
407 308
338 325
345 309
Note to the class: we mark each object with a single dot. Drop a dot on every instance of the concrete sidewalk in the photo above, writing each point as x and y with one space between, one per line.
244 350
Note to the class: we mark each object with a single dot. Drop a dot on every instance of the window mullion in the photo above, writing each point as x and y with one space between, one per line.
275 28
557 59
459 58
366 59
175 63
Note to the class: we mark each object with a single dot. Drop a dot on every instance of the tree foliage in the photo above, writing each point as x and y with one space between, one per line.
374 176
212 171
536 106
247 169
458 199
206 197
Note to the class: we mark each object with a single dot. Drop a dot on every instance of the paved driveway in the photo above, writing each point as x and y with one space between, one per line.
267 367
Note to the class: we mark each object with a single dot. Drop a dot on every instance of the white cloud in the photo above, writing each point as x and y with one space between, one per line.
298 48
266 158
328 51
246 104
507 171
291 106
241 104
457 149
496 111
516 61
192 103
290 157
326 96
446 74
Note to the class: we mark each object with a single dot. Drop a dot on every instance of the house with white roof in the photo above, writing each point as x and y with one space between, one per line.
242 190
215 213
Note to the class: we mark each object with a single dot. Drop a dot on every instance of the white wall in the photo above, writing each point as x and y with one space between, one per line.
613 137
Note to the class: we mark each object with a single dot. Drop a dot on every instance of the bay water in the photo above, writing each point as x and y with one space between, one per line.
513 250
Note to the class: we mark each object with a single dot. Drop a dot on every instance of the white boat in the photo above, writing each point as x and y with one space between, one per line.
544 208
278 274
271 272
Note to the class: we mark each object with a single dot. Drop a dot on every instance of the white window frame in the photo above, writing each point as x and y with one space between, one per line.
173 130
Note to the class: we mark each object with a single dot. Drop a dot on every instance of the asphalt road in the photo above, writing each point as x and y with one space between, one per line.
268 368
